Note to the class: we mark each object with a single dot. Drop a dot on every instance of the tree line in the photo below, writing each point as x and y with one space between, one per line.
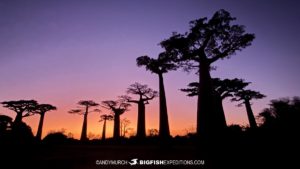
206 42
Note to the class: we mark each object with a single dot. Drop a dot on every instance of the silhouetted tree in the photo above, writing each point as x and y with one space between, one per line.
282 115
118 108
163 64
104 118
87 104
205 43
124 127
41 109
222 89
23 108
144 95
246 96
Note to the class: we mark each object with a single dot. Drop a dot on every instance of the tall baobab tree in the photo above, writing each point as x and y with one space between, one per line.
163 64
246 96
41 109
222 89
145 94
207 42
118 108
23 108
86 105
104 118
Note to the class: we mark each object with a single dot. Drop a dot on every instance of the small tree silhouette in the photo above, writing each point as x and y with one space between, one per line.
205 43
118 108
222 89
124 127
87 104
246 96
23 108
41 109
163 64
104 118
145 94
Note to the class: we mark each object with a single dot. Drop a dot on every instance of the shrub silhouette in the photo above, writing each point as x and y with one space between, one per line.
55 138
5 123
22 133
5 128
282 116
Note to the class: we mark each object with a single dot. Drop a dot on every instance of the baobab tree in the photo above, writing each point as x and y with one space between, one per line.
23 108
145 94
118 108
41 109
163 64
104 118
222 89
246 96
86 105
207 42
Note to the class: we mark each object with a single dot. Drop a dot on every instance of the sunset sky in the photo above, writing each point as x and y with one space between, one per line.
63 51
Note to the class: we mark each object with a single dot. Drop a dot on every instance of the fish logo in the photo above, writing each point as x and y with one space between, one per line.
133 161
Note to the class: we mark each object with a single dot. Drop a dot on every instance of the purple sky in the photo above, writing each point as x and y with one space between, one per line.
62 51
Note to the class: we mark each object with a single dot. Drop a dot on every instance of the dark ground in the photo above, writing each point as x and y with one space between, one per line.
226 154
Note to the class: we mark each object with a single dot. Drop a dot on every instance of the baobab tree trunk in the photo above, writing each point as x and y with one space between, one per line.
141 126
104 129
250 115
84 126
221 115
18 118
206 111
116 134
40 128
164 130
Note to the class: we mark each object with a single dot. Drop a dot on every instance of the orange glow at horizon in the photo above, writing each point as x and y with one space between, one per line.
181 119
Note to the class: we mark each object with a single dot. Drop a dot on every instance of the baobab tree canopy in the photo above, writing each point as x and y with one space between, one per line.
88 103
21 106
42 108
247 95
118 106
163 64
143 91
209 40
223 87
